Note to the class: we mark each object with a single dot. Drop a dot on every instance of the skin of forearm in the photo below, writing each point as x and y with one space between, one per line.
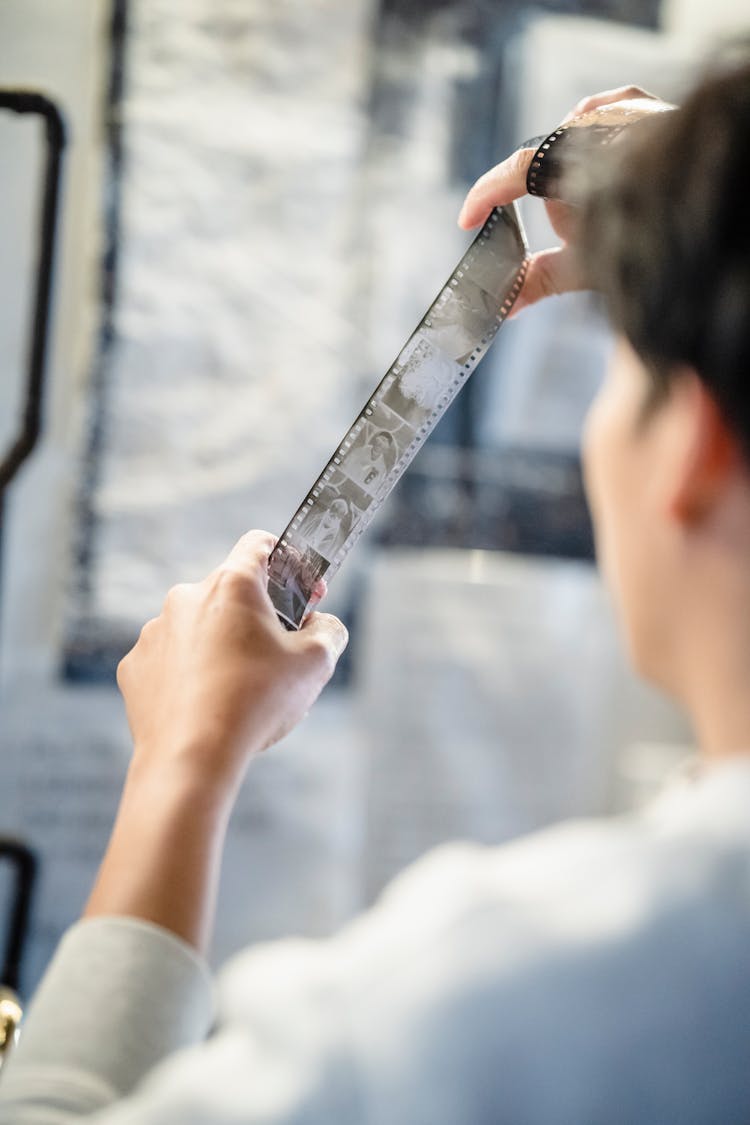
213 680
163 860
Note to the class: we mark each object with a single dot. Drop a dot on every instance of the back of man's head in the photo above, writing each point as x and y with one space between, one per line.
666 238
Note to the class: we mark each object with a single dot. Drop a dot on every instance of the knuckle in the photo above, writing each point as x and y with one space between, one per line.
122 671
593 101
263 540
147 630
508 176
175 594
608 97
321 655
486 178
236 584
251 550
517 163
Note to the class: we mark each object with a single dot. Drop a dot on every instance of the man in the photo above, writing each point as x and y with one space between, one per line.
596 972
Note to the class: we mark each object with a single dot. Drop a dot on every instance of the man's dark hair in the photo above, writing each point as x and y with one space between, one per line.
666 238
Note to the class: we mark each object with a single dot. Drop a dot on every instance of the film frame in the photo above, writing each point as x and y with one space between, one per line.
400 414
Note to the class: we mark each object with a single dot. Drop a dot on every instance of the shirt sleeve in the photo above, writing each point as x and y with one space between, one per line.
120 994
577 976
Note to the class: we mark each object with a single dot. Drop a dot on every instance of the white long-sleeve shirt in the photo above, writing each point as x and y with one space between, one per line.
596 973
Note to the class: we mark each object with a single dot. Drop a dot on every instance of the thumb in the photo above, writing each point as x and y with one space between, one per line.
322 639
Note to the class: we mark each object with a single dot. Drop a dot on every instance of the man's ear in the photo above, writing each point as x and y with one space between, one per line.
710 453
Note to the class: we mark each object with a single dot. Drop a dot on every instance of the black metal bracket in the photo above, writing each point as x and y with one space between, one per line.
31 102
24 863
19 854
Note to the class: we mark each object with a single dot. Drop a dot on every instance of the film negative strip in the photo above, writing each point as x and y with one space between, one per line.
558 165
399 415
562 154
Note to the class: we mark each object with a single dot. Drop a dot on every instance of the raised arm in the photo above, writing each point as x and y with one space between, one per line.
213 680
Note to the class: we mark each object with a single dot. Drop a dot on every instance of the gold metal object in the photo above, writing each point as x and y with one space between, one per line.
11 1014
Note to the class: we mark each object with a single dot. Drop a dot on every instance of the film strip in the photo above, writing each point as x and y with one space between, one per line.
562 156
400 414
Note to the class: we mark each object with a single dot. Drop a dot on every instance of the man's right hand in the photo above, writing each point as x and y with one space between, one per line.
216 678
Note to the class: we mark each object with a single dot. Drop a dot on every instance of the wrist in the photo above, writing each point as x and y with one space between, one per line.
181 779
164 854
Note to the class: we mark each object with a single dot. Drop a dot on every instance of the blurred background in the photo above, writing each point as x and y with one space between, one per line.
257 202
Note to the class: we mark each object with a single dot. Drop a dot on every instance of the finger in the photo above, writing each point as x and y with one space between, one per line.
121 675
550 273
501 185
322 639
148 629
607 97
320 589
565 220
250 554
175 595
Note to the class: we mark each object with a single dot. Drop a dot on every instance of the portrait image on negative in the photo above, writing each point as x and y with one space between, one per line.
377 448
293 575
334 514
426 375
461 320
495 269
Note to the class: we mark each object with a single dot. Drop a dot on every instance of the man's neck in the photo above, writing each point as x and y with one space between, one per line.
716 692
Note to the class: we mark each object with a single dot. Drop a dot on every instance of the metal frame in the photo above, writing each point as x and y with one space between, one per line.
25 865
29 102
18 853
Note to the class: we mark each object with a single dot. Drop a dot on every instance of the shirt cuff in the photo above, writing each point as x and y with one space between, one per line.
119 995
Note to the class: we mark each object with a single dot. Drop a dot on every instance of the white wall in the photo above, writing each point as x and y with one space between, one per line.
60 49
697 20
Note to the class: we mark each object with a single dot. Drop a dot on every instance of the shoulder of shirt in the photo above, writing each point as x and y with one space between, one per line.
589 876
